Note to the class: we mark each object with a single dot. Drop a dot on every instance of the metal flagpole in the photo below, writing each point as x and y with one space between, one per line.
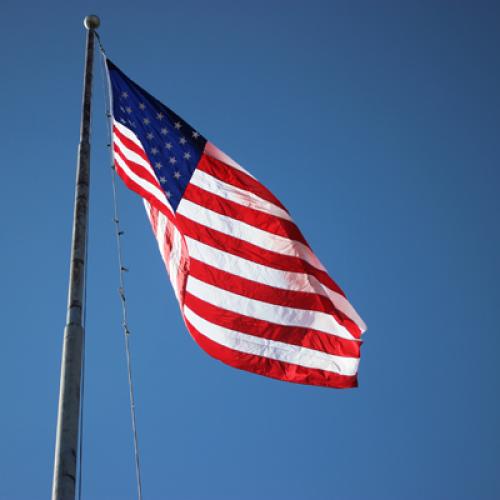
68 420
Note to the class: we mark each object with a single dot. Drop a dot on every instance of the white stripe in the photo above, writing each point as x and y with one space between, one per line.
232 193
287 316
133 156
272 349
175 259
213 151
129 134
246 232
161 224
146 185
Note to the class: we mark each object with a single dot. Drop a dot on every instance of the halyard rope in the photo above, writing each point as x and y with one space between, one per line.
122 270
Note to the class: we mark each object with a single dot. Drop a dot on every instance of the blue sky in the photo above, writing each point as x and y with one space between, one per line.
376 123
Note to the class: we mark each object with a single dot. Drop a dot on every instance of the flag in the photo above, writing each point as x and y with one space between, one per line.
251 291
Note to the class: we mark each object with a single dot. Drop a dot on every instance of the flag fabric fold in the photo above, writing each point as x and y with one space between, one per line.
251 291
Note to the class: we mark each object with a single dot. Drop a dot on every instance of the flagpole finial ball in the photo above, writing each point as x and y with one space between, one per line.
91 22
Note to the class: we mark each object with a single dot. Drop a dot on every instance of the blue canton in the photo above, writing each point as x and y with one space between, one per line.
173 147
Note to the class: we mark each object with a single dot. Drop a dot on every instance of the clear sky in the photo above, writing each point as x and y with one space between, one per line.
377 125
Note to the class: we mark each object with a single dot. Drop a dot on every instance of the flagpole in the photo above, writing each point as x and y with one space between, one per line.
68 420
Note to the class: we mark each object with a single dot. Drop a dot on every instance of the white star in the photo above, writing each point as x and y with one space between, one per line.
163 180
128 109
123 109
177 174
177 125
159 116
150 135
146 121
123 120
164 131
132 123
187 156
168 194
195 134
158 165
168 145
154 151
172 160
124 95
142 105
182 140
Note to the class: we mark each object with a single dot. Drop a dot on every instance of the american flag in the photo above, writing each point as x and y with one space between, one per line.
251 291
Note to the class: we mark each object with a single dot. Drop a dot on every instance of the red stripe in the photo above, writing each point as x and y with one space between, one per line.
145 194
270 367
130 144
224 172
165 244
269 294
153 218
139 170
256 218
295 335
